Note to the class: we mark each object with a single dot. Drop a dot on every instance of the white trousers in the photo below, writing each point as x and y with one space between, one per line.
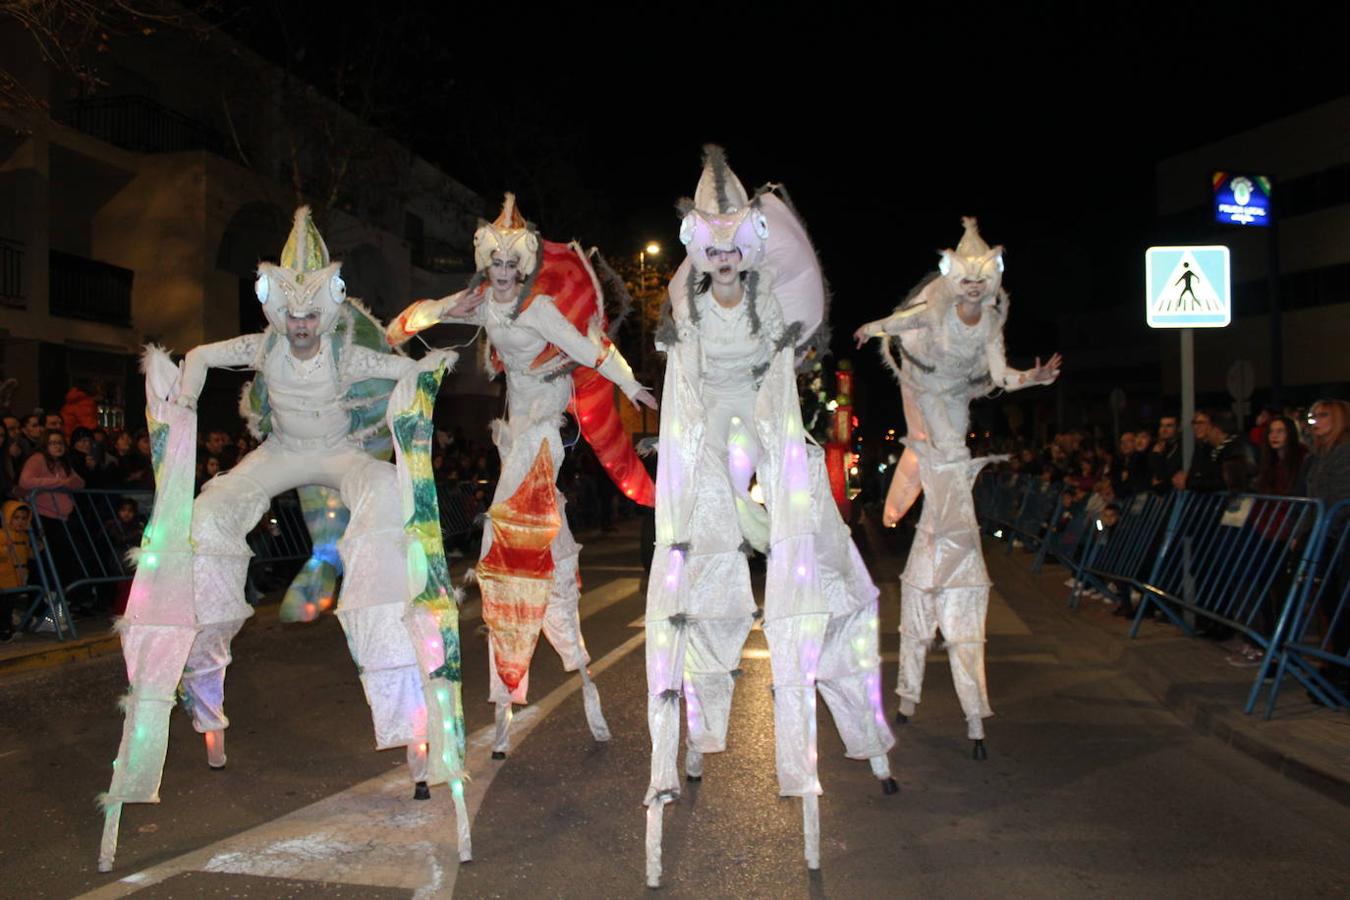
374 591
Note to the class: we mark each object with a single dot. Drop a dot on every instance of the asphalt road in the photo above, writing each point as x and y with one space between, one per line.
1091 787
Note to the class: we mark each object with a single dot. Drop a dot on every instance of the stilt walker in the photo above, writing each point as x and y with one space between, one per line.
540 303
949 336
745 304
318 406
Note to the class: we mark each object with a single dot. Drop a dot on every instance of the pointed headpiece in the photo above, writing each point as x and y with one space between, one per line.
722 217
307 280
509 235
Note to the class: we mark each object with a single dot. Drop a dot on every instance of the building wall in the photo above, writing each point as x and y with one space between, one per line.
192 225
1311 242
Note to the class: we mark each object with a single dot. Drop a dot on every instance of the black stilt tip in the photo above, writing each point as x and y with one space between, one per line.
421 791
888 786
693 779
978 751
499 754
219 768
901 718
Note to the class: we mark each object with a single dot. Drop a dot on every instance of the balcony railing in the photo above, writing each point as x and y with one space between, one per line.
87 289
141 124
11 273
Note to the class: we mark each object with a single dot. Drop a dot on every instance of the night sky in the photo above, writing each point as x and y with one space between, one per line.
886 127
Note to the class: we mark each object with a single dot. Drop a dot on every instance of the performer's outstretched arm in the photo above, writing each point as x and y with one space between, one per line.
366 363
1015 379
906 319
240 351
542 317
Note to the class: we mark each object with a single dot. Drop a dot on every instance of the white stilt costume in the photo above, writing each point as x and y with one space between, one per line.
949 334
546 327
747 297
187 601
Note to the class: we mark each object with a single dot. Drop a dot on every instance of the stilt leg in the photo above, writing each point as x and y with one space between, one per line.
811 829
881 767
590 696
693 765
654 815
502 742
215 749
417 770
107 849
462 821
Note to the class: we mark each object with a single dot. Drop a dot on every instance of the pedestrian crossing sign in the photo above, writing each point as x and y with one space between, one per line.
1188 287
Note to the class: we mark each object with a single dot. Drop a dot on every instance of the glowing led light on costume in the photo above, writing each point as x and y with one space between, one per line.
676 565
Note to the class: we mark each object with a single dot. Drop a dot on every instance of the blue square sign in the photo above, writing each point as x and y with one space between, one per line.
1188 287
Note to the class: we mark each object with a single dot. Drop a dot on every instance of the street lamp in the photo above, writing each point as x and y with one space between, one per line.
651 249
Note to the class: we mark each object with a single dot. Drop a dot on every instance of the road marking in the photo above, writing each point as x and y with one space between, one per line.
372 834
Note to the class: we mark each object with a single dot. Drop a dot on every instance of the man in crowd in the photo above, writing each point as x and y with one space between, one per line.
1223 461
1165 460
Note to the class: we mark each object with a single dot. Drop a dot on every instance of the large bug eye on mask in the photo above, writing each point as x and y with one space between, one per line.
337 289
262 288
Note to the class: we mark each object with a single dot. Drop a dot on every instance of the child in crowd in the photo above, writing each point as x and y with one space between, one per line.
15 552
124 531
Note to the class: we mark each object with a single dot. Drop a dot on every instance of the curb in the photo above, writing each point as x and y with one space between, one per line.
1212 720
50 656
47 657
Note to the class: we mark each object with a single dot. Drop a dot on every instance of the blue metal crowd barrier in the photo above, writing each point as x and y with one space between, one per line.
1004 501
90 546
1313 633
1231 559
1117 557
1275 569
1066 542
85 549
459 508
1039 501
982 493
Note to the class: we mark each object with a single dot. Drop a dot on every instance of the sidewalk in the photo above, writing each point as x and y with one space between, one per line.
1192 678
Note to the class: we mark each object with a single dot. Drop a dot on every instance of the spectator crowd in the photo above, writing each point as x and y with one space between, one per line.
112 473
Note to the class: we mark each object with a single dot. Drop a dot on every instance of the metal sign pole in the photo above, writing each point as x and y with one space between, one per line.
1187 452
1187 396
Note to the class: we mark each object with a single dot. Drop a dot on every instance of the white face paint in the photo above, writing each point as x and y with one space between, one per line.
974 288
726 266
504 275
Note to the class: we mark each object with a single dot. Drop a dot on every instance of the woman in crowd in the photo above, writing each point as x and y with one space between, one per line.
1282 459
49 473
1328 479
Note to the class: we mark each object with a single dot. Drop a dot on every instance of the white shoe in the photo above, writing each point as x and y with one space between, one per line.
1070 582
45 625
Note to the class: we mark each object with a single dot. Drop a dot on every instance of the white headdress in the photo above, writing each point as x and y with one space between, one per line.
723 216
973 260
510 235
305 282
